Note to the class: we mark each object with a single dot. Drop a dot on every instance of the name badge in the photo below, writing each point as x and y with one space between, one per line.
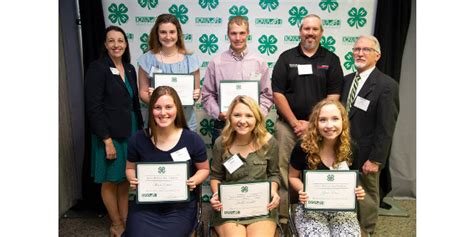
342 166
361 103
154 70
305 69
114 71
233 163
181 155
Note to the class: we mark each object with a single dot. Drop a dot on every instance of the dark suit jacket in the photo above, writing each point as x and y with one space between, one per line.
372 130
108 103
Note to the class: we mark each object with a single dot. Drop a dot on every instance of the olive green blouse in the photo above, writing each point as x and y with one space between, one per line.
256 166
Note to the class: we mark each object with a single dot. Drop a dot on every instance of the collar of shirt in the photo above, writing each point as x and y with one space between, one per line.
238 56
363 78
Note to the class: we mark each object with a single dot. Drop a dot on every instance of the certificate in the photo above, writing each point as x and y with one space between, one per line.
162 182
244 200
183 84
229 89
330 190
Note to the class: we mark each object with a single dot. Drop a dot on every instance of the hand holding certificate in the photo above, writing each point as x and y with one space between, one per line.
330 190
162 182
229 89
182 83
244 200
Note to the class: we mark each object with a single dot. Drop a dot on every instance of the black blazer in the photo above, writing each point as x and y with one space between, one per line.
372 130
108 102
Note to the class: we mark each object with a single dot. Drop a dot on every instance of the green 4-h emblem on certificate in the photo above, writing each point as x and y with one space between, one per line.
238 87
330 177
161 170
244 189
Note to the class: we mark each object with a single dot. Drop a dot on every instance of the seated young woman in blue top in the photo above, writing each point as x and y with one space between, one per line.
326 145
167 133
167 54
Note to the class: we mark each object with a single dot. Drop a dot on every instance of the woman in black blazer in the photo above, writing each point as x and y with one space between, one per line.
113 111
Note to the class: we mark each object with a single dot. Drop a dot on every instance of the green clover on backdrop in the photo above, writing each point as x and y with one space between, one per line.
179 12
349 63
148 3
328 43
118 14
270 4
297 15
210 4
144 42
208 43
207 125
328 5
270 126
357 18
267 44
241 11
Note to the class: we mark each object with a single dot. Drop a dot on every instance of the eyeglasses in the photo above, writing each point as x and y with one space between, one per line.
364 50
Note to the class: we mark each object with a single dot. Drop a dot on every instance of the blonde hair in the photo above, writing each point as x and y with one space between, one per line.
312 140
258 133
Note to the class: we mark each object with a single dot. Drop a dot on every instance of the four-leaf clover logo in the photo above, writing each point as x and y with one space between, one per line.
357 18
161 170
330 177
270 126
271 4
241 11
144 42
118 14
267 44
148 3
208 43
209 4
179 12
244 189
207 126
328 43
297 15
329 5
349 63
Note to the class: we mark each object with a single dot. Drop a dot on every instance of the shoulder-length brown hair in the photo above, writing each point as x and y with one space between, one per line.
179 122
153 41
312 140
258 133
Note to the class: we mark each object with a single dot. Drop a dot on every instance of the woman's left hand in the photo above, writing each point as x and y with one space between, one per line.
275 201
360 193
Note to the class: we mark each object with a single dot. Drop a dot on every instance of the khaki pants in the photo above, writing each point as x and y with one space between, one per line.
286 141
369 207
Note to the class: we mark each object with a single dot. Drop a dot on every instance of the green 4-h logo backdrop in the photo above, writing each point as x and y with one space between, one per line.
274 28
238 11
179 12
149 4
118 14
296 15
208 43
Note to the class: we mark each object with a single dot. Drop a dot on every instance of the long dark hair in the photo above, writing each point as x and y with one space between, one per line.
180 120
126 54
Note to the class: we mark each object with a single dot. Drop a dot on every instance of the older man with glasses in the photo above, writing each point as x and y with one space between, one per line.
372 100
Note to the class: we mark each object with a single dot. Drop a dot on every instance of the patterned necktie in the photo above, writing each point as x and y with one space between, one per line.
352 94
